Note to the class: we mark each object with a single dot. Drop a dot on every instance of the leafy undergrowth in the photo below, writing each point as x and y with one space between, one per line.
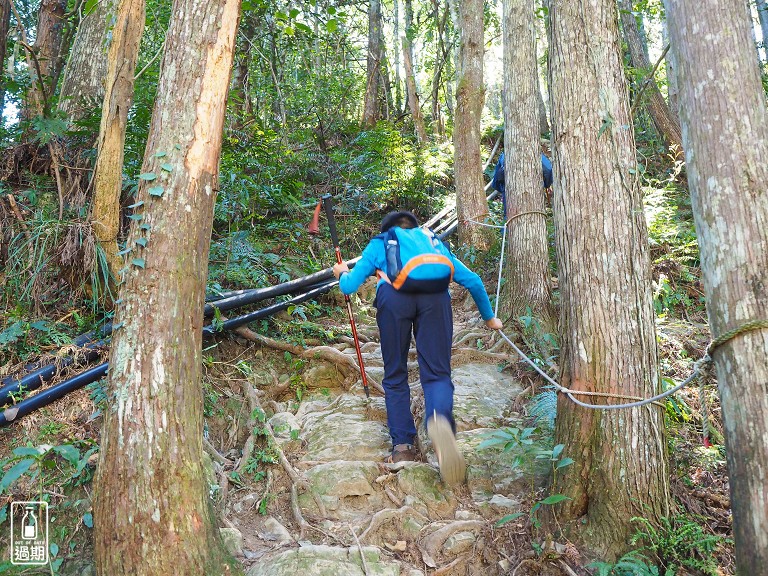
62 438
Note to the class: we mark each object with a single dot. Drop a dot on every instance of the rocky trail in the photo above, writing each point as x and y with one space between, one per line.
333 508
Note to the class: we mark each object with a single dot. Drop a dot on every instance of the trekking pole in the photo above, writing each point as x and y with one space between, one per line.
328 203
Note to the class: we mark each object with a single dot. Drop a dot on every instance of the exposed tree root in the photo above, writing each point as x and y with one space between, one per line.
359 547
297 516
296 478
383 516
213 453
449 568
343 362
469 336
432 543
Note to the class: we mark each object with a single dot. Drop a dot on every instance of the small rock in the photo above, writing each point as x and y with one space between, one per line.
248 502
233 540
467 515
273 530
398 546
459 542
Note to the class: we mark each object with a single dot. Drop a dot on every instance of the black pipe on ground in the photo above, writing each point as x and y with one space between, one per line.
51 394
233 323
36 368
244 297
60 390
34 380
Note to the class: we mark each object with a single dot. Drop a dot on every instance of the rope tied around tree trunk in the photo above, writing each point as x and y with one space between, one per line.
701 369
705 365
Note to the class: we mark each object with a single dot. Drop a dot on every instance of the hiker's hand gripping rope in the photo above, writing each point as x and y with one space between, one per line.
342 267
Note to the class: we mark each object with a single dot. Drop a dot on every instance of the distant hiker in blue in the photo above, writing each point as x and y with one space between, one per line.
414 269
498 177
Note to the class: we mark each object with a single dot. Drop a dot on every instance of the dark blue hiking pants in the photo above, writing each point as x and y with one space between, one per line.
430 317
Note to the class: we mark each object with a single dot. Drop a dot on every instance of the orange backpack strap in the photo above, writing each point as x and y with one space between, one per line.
418 261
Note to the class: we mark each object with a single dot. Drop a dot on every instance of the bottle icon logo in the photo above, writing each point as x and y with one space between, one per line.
29 524
29 533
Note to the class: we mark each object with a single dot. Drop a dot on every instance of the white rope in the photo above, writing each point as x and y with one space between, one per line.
570 393
567 391
501 268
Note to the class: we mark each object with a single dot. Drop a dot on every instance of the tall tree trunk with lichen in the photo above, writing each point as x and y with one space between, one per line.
667 125
471 205
108 176
608 342
371 106
527 274
46 56
82 87
725 132
410 77
152 511
5 21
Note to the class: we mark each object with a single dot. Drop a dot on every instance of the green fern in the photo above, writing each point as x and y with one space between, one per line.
680 542
543 408
631 564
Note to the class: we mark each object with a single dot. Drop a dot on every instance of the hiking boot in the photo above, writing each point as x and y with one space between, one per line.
403 453
453 468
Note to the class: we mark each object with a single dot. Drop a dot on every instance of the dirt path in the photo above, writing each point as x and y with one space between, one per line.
402 518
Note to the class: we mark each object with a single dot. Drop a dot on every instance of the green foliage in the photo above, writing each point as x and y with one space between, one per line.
631 564
680 542
543 408
22 340
45 463
523 441
297 382
388 171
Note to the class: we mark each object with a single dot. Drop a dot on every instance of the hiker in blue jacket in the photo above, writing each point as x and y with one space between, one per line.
498 178
429 315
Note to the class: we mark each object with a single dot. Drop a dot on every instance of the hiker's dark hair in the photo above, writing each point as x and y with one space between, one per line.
402 219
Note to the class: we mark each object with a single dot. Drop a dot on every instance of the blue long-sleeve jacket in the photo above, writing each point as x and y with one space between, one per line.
498 175
374 258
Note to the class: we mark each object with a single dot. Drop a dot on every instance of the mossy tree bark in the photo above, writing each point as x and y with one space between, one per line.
82 87
666 123
371 106
527 271
152 511
108 177
47 50
471 205
725 133
608 342
5 21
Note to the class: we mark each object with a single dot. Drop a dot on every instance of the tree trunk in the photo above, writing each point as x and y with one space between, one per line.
82 88
665 123
725 132
46 54
671 65
762 14
152 512
607 333
371 109
527 272
441 57
543 120
541 51
5 21
386 83
396 54
471 205
413 97
108 177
